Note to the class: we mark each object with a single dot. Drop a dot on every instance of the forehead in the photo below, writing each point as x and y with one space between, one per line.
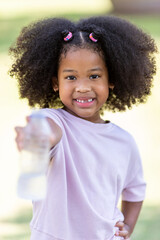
81 57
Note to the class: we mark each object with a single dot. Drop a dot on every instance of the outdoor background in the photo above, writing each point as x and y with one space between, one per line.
143 121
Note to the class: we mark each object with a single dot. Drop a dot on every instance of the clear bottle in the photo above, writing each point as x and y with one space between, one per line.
34 158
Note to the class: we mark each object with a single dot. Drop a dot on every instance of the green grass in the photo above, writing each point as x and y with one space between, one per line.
17 226
149 23
147 228
10 27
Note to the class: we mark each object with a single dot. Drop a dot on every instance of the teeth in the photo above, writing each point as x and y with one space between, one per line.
83 101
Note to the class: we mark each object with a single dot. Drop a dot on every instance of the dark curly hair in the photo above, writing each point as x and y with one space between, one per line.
127 51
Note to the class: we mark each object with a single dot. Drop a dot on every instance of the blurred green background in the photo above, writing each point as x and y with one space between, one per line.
142 121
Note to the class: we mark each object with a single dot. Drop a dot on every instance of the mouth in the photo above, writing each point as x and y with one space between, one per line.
84 102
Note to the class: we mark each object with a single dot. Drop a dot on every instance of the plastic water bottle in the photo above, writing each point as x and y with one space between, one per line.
34 158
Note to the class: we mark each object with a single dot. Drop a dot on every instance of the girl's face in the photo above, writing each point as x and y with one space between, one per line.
83 83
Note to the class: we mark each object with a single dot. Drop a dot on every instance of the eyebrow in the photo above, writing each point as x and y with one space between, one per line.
90 70
95 69
69 70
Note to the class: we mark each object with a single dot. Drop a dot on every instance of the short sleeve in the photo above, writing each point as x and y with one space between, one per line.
135 185
52 114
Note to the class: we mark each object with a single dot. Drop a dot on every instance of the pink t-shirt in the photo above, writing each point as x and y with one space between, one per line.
94 164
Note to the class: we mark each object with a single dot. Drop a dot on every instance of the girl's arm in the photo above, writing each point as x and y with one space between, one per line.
55 137
56 132
131 212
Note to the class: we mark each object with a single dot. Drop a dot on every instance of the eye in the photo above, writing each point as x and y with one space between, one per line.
95 76
71 77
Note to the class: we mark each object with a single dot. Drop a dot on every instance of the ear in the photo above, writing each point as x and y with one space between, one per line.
111 86
55 84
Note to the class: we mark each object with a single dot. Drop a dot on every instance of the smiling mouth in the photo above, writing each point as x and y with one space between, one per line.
84 100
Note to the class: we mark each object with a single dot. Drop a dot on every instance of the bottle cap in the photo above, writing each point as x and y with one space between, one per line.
37 114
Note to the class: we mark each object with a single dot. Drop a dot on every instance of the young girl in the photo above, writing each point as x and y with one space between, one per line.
82 69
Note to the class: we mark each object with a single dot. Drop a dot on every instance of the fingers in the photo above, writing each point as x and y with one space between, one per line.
27 119
120 225
19 137
122 231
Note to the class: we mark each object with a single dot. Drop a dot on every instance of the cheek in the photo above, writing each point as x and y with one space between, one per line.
64 89
64 92
103 91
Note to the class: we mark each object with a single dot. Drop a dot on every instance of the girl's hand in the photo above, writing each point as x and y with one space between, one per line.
19 137
123 230
54 137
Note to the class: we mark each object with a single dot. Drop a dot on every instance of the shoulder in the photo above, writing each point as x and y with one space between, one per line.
53 114
122 133
50 111
125 138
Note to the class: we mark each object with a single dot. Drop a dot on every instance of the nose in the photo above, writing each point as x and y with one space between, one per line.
83 86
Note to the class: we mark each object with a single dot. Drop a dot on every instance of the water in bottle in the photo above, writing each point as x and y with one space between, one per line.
34 158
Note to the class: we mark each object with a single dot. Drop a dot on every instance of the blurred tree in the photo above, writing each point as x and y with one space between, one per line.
136 6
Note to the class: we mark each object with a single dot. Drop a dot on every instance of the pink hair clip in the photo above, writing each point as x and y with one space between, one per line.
92 38
68 37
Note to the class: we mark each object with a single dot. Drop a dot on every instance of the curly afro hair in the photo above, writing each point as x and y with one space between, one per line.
127 51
